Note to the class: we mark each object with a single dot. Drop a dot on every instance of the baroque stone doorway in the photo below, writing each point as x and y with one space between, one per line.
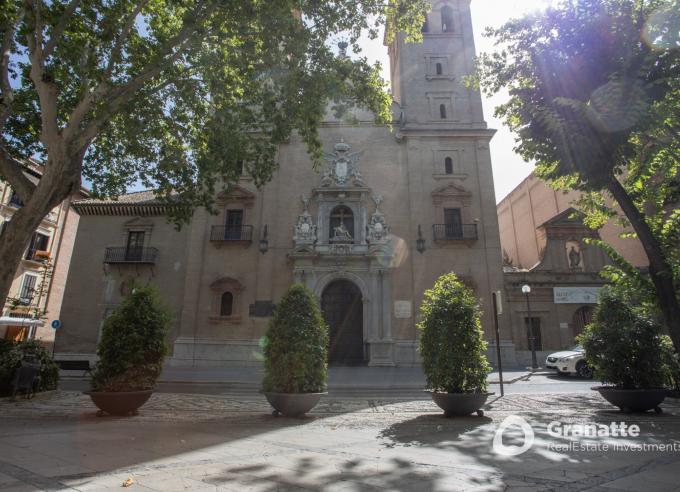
342 307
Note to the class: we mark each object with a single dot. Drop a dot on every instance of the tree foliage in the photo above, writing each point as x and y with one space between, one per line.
132 345
594 90
627 348
172 95
452 342
296 345
11 355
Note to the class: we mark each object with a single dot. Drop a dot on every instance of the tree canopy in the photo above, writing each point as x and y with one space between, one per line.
594 93
173 94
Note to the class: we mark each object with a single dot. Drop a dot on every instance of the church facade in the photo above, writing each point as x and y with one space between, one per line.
394 208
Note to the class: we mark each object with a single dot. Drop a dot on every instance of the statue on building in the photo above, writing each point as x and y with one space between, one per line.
305 229
377 227
574 257
343 168
340 233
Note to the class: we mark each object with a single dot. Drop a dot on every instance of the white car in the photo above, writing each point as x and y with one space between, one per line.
570 361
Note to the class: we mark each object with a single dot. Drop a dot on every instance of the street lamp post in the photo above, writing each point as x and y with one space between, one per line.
526 290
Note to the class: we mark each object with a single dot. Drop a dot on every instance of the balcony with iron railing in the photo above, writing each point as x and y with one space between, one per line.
455 232
242 233
144 256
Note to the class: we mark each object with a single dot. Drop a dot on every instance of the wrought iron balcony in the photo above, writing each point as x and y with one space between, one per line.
131 255
455 232
242 233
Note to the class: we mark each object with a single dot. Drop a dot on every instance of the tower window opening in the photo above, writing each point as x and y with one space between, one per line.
447 19
448 165
438 69
442 111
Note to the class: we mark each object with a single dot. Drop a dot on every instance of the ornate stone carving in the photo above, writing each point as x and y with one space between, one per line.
341 249
305 229
343 168
377 227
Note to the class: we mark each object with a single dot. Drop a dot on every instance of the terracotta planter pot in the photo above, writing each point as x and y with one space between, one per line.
460 403
633 400
293 404
119 402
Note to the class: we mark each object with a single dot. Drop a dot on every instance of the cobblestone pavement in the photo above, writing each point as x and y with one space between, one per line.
196 442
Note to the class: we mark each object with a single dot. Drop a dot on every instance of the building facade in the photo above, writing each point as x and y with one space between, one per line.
36 294
392 210
532 203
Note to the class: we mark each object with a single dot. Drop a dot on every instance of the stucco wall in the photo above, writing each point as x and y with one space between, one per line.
531 204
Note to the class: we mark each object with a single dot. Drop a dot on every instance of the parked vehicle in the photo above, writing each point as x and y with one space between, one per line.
570 361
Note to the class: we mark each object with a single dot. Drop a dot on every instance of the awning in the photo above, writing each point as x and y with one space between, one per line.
9 321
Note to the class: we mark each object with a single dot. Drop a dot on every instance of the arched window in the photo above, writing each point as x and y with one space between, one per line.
442 111
426 26
447 19
448 165
341 224
438 68
226 304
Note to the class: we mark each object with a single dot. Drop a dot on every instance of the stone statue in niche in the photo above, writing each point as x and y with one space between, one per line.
343 168
305 229
574 257
341 233
377 227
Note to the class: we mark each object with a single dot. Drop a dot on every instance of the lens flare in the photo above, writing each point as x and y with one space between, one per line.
662 30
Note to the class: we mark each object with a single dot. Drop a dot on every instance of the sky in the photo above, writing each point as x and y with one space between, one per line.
508 168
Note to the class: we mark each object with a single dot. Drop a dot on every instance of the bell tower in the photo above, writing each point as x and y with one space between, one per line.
427 77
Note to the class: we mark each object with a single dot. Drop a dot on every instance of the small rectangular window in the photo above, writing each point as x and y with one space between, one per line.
39 242
28 288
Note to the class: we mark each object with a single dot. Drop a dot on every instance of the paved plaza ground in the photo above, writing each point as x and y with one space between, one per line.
232 442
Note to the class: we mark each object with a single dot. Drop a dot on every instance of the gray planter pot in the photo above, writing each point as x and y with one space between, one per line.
119 402
460 403
633 400
293 404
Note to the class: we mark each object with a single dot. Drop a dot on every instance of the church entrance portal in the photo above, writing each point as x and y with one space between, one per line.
343 310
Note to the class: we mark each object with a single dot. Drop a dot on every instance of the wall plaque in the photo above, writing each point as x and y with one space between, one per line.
403 309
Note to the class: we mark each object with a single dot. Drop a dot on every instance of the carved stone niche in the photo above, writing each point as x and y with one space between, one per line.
220 287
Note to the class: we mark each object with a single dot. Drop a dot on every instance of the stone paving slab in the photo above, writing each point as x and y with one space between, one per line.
217 442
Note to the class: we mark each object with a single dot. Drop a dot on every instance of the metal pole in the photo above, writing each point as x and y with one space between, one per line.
532 337
498 342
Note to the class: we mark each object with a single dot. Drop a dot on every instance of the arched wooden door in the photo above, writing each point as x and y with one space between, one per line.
343 310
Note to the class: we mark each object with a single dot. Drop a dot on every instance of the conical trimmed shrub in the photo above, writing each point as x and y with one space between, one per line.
296 345
132 347
452 343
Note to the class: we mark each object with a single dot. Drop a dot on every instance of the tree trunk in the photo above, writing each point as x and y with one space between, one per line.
60 178
660 270
13 242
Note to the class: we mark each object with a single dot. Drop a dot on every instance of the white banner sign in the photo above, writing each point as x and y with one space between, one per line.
576 295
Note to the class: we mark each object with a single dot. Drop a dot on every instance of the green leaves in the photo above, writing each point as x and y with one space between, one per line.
626 348
132 345
452 343
173 94
296 345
